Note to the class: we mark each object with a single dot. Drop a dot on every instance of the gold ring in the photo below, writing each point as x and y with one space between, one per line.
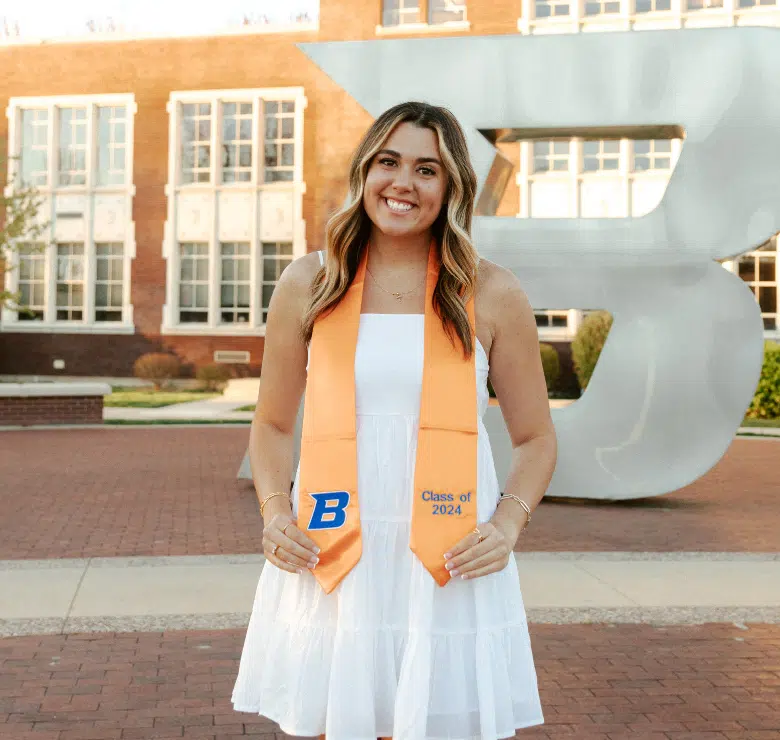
284 529
273 552
479 534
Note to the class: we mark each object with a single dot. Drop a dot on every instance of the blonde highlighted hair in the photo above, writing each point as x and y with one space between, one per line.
348 230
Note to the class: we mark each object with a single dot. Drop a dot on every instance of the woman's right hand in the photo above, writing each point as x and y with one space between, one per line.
286 546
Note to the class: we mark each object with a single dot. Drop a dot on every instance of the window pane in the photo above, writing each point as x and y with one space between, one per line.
235 285
446 11
72 152
34 147
109 284
237 127
193 289
31 284
766 268
195 134
400 12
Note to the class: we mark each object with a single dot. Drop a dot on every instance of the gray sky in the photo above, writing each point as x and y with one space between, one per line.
52 18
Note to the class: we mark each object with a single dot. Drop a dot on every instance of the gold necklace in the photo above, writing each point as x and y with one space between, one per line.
397 295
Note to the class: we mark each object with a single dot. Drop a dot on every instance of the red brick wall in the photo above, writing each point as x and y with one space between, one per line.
151 70
29 411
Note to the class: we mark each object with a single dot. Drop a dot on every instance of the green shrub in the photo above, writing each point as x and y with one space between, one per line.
766 400
588 343
551 364
213 375
157 367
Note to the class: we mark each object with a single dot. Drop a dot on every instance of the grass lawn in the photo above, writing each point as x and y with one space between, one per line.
761 423
250 407
146 398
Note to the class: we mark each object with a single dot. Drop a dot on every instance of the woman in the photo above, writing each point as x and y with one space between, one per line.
401 616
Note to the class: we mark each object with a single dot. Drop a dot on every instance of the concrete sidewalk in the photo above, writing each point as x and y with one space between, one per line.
216 592
208 410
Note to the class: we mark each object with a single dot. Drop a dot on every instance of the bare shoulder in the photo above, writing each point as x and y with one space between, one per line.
500 296
295 281
293 289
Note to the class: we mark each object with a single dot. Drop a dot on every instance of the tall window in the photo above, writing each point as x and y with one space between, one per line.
759 270
236 168
79 147
70 282
235 283
194 283
73 146
196 143
35 147
279 140
276 257
32 285
236 142
109 281
112 145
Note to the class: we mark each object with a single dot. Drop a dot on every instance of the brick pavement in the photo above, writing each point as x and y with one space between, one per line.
598 682
173 491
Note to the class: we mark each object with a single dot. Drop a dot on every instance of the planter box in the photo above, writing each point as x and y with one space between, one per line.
34 404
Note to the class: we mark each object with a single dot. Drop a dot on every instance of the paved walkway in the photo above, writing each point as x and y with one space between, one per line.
142 594
596 682
161 491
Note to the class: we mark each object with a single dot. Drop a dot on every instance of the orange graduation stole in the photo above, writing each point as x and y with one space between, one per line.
444 508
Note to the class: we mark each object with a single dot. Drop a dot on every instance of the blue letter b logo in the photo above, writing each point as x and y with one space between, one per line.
329 510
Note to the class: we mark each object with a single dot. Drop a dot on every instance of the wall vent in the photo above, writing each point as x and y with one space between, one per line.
231 356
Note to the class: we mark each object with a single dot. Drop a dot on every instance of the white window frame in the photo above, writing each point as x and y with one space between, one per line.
678 16
423 26
575 175
49 193
733 266
257 96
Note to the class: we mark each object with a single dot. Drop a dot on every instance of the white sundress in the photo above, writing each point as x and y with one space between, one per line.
389 653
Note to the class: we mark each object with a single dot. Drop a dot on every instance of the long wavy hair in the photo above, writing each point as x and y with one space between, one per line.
347 231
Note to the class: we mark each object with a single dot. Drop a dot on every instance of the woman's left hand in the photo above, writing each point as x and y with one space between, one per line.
472 558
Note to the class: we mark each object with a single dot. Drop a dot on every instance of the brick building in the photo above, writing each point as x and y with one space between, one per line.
181 172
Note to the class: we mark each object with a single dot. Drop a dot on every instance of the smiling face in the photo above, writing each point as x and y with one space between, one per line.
406 182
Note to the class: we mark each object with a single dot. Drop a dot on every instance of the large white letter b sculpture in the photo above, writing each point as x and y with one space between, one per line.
684 353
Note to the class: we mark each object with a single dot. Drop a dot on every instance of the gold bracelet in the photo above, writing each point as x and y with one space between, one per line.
269 497
523 504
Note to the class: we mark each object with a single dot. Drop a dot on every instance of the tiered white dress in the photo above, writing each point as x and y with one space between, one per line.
389 652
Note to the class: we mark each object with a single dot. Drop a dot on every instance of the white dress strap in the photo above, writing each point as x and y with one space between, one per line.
321 253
